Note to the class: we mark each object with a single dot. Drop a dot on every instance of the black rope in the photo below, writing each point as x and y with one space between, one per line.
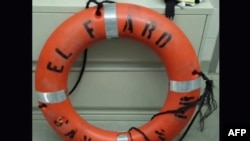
180 110
83 67
170 8
81 72
98 13
206 99
191 123
99 5
197 1
138 130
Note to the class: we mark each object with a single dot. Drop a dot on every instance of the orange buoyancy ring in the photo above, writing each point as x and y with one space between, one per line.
117 20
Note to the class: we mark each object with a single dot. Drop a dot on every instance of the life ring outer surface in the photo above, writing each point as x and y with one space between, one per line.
118 20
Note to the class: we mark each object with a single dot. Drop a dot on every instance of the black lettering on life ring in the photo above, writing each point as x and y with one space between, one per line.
89 29
181 116
85 138
54 68
62 54
60 121
146 29
166 35
71 133
129 24
161 134
184 101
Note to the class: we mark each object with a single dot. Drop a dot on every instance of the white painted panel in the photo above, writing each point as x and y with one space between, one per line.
122 50
205 7
41 131
218 68
140 90
43 24
215 3
193 27
214 24
208 50
136 95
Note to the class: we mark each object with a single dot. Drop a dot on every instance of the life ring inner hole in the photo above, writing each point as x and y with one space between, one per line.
123 86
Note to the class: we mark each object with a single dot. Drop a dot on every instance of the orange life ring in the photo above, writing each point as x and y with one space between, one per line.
116 21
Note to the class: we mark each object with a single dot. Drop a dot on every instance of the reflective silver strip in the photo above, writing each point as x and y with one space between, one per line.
110 20
185 86
122 137
52 97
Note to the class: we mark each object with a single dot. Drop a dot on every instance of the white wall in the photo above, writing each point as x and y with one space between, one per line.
139 88
212 35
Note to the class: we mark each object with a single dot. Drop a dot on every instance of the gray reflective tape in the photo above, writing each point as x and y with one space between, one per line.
185 86
110 21
52 97
122 137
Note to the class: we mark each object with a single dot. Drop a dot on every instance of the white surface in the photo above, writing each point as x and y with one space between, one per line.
136 104
208 49
135 79
73 6
218 68
47 15
214 25
143 90
114 50
213 30
215 3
